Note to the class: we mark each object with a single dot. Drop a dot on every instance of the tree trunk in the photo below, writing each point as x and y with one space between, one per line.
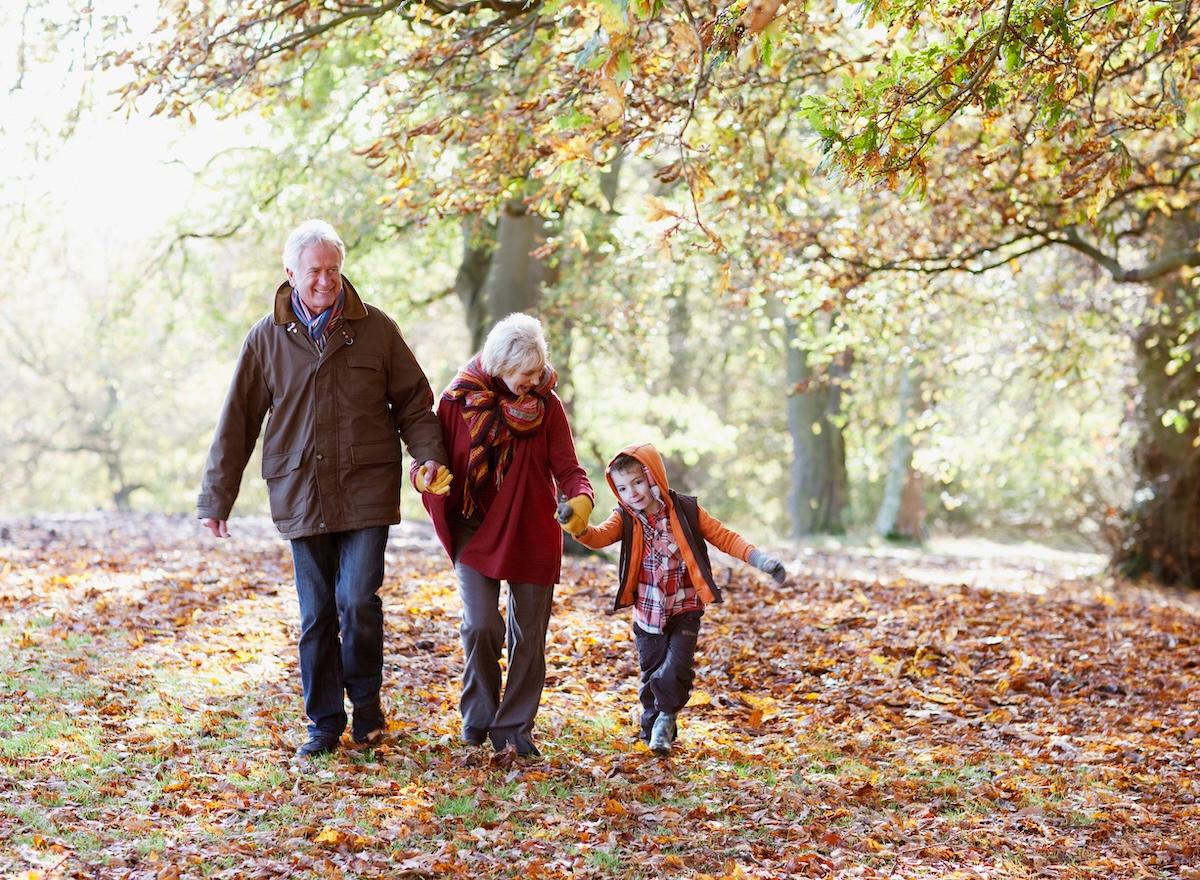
680 344
902 511
515 276
1161 537
818 473
498 274
910 523
479 243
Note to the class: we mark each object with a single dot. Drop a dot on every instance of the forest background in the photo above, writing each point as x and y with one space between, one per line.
895 269
892 267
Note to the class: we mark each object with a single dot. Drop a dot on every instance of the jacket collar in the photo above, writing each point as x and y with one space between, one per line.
351 311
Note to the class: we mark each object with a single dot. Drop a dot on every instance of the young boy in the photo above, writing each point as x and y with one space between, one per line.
665 574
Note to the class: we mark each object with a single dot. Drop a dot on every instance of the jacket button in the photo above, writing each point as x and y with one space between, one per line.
320 457
322 525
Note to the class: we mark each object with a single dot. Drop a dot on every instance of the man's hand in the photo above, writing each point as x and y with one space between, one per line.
219 527
768 564
581 509
433 478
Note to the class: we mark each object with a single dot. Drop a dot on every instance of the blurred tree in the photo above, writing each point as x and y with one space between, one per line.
902 510
818 495
1030 125
1025 124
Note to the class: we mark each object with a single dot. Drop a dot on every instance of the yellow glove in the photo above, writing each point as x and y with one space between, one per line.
440 484
581 509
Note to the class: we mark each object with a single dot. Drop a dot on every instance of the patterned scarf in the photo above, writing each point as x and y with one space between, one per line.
494 416
323 324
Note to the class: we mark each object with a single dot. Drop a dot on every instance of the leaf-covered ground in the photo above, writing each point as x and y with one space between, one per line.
858 722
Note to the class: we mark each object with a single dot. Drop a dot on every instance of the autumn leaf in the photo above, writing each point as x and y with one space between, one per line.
811 746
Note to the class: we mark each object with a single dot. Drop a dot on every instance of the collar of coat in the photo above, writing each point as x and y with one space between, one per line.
352 310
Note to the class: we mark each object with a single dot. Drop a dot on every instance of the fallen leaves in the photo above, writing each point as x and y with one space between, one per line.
841 726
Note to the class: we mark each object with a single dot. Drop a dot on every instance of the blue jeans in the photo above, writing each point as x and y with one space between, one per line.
341 623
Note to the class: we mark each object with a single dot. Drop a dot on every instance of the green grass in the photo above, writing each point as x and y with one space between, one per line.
266 778
454 805
155 842
504 791
767 775
552 789
834 763
604 859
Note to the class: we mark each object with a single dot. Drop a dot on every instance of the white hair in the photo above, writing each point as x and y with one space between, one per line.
307 234
515 344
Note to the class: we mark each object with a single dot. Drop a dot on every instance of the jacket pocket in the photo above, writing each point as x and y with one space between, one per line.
284 485
364 377
374 476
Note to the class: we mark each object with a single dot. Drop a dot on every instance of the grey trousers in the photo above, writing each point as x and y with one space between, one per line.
484 632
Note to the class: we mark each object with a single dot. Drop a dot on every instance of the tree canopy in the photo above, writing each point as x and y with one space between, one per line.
819 165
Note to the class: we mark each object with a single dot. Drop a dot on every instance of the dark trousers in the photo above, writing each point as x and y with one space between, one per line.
341 623
484 633
667 661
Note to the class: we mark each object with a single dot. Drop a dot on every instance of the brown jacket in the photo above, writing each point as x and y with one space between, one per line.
331 453
691 526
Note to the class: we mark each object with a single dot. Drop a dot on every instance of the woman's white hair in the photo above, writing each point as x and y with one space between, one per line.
515 344
307 234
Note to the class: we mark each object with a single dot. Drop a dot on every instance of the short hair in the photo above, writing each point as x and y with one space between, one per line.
625 463
307 234
515 344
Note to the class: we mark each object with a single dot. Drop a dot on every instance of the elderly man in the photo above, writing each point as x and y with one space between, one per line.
343 389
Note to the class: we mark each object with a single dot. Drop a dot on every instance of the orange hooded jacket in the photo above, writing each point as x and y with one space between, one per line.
691 547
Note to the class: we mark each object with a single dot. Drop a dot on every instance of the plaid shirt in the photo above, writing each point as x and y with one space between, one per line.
664 586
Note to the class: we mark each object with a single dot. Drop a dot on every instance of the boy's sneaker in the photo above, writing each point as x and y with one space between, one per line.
663 733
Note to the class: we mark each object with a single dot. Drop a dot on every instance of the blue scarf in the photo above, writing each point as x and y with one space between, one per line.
320 326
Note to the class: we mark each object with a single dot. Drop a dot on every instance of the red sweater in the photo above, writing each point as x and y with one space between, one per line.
519 539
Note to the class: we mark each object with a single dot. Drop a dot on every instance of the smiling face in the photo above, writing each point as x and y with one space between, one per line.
635 490
318 278
522 380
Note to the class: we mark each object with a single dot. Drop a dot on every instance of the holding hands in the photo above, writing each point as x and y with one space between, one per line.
433 478
573 514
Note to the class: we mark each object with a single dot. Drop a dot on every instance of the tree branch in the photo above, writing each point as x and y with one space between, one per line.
1168 262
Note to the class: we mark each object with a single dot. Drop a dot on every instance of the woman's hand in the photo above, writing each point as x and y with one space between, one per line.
433 478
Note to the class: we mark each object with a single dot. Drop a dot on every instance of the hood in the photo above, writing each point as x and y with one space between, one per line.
649 457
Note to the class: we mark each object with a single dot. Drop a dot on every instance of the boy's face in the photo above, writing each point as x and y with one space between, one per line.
634 489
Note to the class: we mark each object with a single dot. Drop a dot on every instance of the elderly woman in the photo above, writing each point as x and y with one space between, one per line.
511 449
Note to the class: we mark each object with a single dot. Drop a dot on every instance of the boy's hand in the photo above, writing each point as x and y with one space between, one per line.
768 564
581 509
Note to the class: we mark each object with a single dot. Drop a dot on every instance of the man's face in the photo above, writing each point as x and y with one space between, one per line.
634 489
318 279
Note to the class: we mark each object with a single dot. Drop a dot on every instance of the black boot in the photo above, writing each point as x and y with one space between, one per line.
368 723
319 743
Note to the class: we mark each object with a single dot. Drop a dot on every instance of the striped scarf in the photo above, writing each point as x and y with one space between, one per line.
494 418
323 324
